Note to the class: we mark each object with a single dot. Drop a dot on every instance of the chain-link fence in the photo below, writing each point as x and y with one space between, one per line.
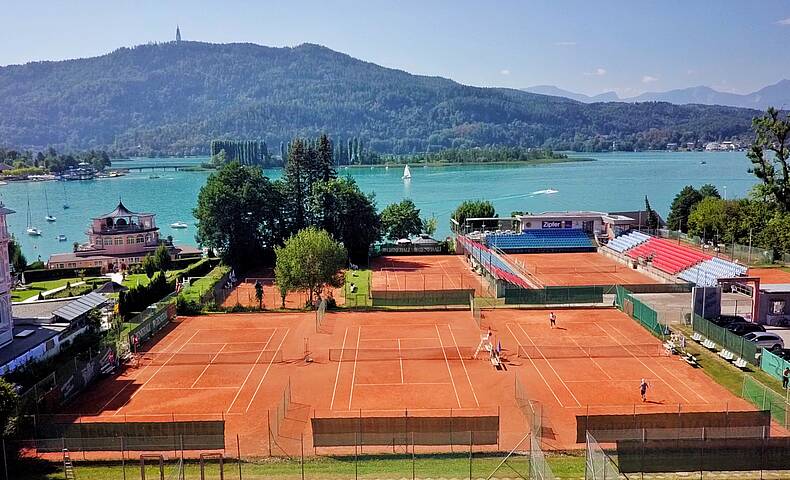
727 340
746 254
640 311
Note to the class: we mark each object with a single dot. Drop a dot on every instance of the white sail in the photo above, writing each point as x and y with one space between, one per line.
406 173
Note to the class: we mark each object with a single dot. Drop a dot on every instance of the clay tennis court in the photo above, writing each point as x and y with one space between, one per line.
770 275
593 362
214 367
423 272
576 269
244 294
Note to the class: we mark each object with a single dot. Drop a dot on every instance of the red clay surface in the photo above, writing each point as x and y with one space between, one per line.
423 272
770 275
571 386
244 294
575 269
234 380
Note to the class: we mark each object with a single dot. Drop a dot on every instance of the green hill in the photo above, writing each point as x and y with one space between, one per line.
174 98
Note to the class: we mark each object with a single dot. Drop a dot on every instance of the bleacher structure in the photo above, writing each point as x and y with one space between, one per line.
492 262
543 240
627 241
686 263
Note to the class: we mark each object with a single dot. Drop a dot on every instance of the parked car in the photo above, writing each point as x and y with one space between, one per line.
742 328
783 353
768 340
725 320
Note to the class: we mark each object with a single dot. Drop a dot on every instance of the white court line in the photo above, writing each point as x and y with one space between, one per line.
536 368
410 383
268 367
337 375
704 400
251 369
209 364
400 360
463 364
446 362
548 362
591 358
229 343
157 371
150 389
354 372
398 338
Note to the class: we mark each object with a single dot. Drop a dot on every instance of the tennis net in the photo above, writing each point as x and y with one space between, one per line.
427 353
578 351
260 357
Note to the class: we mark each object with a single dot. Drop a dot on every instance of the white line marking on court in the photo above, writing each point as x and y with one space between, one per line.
446 362
647 366
150 389
268 367
337 375
354 372
396 384
400 360
433 339
157 371
208 365
591 358
534 365
251 369
463 364
548 362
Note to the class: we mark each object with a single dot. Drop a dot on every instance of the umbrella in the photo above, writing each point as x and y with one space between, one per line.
111 287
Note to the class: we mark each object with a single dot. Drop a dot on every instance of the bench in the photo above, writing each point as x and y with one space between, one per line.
727 355
697 337
691 360
709 345
742 364
670 347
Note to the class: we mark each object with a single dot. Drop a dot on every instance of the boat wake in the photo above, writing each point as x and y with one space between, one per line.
548 191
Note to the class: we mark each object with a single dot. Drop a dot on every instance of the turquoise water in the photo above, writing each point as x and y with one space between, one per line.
615 181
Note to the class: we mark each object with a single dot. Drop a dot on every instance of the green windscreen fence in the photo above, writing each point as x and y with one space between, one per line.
773 364
765 398
727 340
421 298
554 295
640 312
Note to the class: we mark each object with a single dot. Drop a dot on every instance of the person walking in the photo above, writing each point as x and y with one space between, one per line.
785 377
643 389
552 320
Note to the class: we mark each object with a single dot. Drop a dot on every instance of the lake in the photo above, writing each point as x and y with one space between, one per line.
615 181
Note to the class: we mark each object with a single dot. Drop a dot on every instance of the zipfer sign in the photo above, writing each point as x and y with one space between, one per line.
557 224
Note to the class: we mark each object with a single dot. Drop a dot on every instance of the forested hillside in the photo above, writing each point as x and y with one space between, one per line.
175 98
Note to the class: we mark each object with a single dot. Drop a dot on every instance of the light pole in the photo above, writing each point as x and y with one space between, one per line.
749 260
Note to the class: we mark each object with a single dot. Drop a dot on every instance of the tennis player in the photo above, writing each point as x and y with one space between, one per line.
643 389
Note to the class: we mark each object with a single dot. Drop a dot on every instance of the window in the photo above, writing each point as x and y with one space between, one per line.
119 241
108 241
140 239
777 307
130 240
148 238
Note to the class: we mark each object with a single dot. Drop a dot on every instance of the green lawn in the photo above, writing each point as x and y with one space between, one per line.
362 279
38 287
336 468
203 284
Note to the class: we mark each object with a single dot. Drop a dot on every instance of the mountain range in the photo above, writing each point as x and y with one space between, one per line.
776 95
175 98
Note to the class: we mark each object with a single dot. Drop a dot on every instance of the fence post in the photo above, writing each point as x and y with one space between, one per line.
356 459
123 459
5 461
413 468
269 429
238 454
471 433
302 457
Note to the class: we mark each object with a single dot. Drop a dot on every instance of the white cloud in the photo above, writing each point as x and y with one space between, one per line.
504 72
565 44
598 72
785 22
649 79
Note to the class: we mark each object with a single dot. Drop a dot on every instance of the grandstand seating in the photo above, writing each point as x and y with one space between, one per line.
667 256
627 241
492 262
706 273
561 239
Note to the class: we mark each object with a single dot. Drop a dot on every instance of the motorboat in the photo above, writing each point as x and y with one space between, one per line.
50 218
179 225
33 231
62 238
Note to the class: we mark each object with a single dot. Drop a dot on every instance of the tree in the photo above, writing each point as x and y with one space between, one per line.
709 190
473 209
400 220
770 155
708 218
9 402
349 215
162 258
310 260
297 184
149 266
681 208
239 214
429 225
18 260
652 216
259 293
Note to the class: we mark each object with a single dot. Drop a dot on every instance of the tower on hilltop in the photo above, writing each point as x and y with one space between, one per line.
178 34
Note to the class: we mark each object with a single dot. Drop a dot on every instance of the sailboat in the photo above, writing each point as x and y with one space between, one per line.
65 200
49 216
406 173
31 230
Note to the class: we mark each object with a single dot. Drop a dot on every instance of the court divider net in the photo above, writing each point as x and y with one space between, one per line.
426 353
579 351
222 358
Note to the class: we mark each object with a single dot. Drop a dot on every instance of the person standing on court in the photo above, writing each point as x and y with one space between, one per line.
785 377
643 389
552 320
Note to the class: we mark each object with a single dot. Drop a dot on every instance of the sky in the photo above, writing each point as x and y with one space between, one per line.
628 46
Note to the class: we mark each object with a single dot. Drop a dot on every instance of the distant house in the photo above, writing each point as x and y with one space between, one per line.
640 217
4 167
672 146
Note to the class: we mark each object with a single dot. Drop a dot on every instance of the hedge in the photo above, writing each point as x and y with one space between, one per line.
43 274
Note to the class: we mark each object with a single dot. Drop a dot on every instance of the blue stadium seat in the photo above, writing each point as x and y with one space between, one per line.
571 239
